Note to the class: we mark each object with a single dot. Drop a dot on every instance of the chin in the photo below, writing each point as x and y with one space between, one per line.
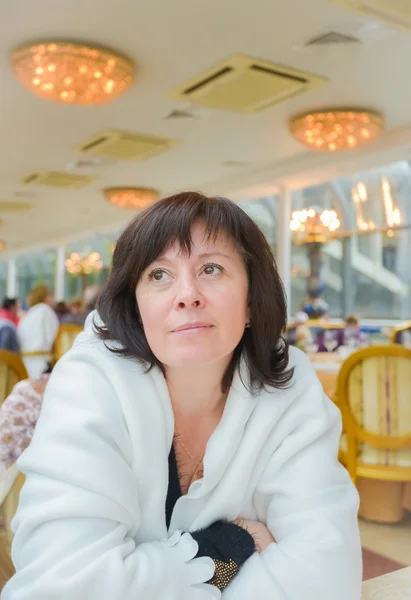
193 357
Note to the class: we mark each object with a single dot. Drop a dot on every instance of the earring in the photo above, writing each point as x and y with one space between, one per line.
248 325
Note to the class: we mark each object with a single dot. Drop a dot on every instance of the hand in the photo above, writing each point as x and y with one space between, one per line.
259 531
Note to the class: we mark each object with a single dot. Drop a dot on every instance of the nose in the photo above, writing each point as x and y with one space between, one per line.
189 295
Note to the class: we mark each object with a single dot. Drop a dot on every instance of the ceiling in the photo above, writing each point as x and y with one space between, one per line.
171 42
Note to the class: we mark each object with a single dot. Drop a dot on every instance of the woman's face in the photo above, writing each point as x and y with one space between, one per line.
194 308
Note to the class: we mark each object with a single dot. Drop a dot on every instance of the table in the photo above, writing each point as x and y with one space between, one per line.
327 366
327 361
394 586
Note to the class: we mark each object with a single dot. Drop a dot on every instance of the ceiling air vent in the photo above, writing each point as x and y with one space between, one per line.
14 207
394 12
57 179
181 114
123 145
332 38
246 85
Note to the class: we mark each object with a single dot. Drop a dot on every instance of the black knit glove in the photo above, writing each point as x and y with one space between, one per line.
229 545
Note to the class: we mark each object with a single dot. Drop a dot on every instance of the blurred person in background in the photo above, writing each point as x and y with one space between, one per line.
78 317
18 417
353 336
8 336
37 331
299 334
8 325
10 310
61 309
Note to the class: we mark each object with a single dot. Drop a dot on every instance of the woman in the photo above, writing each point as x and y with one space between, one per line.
18 417
181 452
37 331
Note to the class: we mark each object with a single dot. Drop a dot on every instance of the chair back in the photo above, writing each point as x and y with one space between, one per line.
66 335
7 569
399 332
8 509
374 395
12 370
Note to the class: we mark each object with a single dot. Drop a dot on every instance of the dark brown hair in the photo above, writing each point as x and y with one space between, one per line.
156 229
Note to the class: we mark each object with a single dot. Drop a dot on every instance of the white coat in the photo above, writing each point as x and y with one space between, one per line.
91 521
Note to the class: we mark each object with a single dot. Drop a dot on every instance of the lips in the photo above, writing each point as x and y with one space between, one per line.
192 327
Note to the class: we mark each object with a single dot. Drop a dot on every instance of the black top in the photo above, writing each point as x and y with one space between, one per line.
174 489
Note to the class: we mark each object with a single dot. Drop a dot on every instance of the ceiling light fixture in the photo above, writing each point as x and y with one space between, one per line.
84 265
131 197
72 73
313 224
337 129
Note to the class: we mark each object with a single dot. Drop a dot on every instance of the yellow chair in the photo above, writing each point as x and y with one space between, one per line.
374 396
65 338
6 567
8 509
397 331
12 370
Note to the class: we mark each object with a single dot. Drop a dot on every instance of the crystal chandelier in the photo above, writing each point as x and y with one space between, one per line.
72 73
313 225
84 265
130 197
337 129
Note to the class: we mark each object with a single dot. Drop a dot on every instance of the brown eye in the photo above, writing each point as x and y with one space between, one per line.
157 276
212 270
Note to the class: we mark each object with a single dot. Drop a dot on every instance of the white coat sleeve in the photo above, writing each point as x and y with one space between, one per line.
310 505
79 508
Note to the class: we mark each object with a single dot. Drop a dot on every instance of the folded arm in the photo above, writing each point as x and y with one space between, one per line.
79 508
310 505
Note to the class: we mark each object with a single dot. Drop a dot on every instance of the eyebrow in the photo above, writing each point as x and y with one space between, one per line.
209 254
200 256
